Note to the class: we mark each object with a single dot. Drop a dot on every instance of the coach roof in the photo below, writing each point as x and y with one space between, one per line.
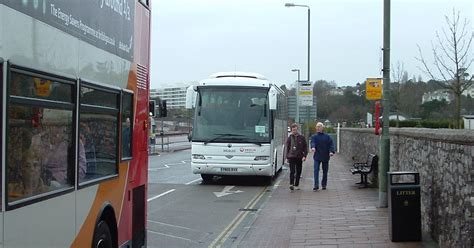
236 79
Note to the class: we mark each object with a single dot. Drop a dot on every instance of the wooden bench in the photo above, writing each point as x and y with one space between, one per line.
365 168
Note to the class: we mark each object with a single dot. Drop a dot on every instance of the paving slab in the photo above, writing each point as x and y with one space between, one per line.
341 216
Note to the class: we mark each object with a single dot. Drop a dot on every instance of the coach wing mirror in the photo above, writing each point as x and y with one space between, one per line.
272 98
191 97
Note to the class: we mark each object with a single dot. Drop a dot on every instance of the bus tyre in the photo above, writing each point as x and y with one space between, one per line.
206 177
102 236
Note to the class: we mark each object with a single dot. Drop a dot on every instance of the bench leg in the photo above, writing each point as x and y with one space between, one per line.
361 179
365 183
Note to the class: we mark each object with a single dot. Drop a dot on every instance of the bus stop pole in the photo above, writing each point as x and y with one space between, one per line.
385 141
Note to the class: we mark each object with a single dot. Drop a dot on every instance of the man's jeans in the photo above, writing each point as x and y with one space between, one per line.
295 167
325 173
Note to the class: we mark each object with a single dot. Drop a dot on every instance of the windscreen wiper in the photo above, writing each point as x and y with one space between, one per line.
242 139
220 135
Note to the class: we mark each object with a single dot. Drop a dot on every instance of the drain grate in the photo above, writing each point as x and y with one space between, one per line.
248 209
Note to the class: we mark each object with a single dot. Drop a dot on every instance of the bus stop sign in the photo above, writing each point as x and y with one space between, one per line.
373 89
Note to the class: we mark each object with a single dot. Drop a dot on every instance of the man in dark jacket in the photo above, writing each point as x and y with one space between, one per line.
296 152
323 148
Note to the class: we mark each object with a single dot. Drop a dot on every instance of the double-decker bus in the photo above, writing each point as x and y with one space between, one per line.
74 122
240 126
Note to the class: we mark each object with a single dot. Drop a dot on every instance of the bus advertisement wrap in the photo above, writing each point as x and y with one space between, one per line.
106 24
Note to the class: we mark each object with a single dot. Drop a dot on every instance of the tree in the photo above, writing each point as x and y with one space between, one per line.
400 76
452 58
433 109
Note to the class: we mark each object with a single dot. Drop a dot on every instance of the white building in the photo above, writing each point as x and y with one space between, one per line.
469 91
175 97
439 95
468 121
338 91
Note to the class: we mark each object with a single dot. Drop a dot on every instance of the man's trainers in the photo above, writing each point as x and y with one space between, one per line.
324 188
315 189
292 188
297 188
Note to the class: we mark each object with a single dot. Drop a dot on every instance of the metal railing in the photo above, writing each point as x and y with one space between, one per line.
164 140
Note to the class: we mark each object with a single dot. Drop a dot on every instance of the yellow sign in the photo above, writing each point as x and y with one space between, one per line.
42 86
306 93
373 88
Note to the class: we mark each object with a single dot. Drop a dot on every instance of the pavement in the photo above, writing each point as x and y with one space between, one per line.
341 216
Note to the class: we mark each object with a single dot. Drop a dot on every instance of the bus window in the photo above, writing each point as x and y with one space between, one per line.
40 155
127 121
24 85
98 132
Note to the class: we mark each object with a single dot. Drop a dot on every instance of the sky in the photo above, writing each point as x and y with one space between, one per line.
193 39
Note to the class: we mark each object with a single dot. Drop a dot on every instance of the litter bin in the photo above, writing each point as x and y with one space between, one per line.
404 206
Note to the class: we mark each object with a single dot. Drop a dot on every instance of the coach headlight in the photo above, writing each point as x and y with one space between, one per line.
261 158
198 156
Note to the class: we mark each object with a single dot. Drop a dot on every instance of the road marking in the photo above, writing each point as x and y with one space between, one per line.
160 195
193 181
172 236
277 184
236 221
166 166
226 191
165 224
156 169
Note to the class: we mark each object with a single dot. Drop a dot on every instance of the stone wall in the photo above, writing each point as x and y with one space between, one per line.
444 158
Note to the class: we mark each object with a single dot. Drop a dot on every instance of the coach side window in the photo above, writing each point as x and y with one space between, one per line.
98 132
39 139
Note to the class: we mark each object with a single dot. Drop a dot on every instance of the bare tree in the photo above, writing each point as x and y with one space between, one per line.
399 76
452 58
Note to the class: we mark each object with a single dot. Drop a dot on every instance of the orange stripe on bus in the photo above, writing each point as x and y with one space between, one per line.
110 191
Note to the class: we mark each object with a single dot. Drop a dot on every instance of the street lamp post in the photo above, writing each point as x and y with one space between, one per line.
297 117
309 41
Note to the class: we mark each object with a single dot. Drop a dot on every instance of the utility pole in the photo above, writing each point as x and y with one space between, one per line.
309 42
384 165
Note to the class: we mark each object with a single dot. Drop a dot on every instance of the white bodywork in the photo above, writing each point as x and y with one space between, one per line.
238 158
232 159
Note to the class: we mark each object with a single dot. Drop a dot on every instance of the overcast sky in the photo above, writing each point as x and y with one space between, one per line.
193 39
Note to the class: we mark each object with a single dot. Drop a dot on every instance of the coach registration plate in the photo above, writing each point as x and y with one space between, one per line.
229 169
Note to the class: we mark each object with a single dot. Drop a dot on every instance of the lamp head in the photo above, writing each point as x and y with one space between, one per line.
289 5
294 70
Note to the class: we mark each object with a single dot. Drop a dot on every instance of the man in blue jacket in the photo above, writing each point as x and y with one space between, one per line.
323 148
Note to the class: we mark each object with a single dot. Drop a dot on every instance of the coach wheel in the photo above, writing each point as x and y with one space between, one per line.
207 177
102 236
276 166
275 161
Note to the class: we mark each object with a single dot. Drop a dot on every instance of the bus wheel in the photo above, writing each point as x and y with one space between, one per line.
102 236
206 177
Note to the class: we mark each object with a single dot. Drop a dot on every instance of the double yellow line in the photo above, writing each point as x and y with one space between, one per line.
236 221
